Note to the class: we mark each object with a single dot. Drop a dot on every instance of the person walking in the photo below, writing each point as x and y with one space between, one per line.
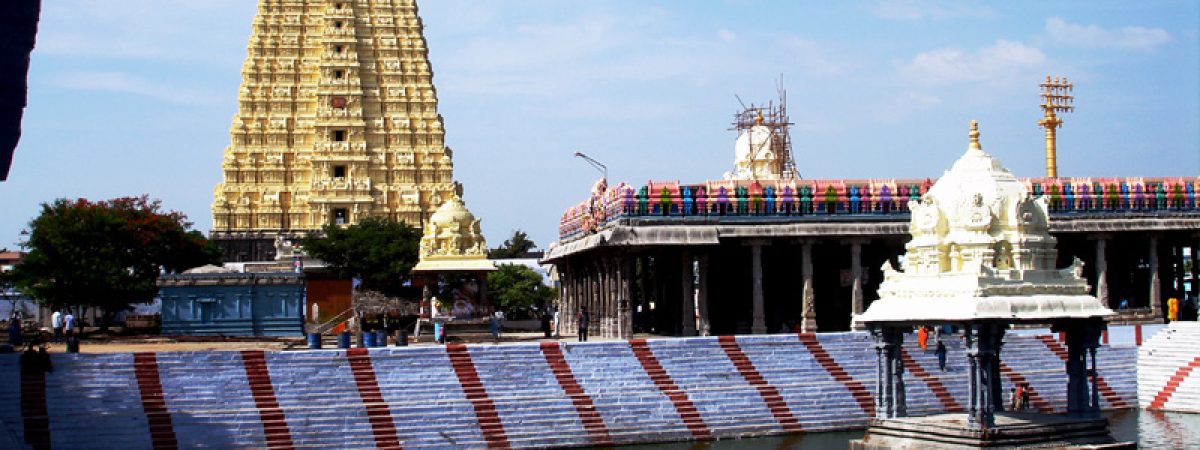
56 324
69 325
941 355
557 323
923 338
545 317
14 330
495 326
583 319
1173 309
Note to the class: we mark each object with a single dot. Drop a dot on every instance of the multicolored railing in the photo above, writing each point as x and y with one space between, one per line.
765 198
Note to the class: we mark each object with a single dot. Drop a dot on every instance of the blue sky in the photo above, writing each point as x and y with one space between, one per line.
136 96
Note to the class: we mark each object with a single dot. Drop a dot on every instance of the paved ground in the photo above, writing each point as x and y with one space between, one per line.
193 343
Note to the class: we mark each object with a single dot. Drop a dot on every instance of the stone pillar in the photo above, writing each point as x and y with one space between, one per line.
759 326
702 295
602 312
688 303
481 277
614 297
889 373
856 281
625 307
971 345
983 341
1196 271
1155 283
1083 337
1102 271
808 299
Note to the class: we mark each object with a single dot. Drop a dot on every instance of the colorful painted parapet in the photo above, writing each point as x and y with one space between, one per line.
881 197
535 395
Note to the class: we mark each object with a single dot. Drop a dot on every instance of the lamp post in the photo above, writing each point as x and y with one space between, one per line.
596 164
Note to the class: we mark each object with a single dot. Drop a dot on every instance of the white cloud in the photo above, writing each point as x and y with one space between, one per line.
1001 61
913 10
1093 36
128 84
726 36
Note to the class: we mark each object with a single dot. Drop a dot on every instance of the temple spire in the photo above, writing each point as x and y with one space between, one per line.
974 134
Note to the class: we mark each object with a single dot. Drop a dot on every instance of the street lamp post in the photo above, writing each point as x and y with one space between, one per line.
596 164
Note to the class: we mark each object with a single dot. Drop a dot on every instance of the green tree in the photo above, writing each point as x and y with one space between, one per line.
515 247
106 254
516 289
376 250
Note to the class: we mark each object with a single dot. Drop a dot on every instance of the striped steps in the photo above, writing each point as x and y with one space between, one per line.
518 396
1167 375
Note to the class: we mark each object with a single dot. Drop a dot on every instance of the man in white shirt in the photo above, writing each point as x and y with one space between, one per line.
56 323
69 325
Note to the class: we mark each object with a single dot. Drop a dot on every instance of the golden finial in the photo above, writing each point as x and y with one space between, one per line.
1056 100
974 134
758 120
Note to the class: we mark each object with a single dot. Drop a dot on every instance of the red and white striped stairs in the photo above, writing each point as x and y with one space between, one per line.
1169 369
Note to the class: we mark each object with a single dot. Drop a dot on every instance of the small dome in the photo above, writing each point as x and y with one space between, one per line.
452 214
976 172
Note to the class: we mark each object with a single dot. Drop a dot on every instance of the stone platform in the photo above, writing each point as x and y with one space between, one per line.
1012 431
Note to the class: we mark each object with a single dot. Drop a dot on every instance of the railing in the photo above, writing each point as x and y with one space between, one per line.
781 198
333 322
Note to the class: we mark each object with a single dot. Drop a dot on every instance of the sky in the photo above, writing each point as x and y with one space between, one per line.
131 97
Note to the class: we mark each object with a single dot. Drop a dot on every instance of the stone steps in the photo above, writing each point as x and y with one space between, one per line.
434 400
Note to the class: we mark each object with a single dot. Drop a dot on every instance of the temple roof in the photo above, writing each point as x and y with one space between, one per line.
981 249
452 241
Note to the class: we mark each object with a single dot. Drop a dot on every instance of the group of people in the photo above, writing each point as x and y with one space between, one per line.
63 326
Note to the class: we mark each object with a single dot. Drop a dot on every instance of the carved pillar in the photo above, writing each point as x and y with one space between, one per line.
605 324
1102 271
565 307
971 345
759 326
614 297
889 373
808 298
1083 337
983 342
688 303
625 308
1155 283
856 289
702 295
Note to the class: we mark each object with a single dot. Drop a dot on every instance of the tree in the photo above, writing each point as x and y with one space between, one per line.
517 289
376 250
515 247
106 254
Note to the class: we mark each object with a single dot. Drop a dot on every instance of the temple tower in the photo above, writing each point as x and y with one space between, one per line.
337 121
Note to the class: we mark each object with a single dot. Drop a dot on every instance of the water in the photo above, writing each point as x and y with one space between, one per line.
1150 429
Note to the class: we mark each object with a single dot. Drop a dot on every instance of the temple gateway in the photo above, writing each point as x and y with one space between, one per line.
337 121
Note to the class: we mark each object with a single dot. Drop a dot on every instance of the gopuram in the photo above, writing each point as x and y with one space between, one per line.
337 121
763 250
982 258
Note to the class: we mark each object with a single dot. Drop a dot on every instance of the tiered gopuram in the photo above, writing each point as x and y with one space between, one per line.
337 121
